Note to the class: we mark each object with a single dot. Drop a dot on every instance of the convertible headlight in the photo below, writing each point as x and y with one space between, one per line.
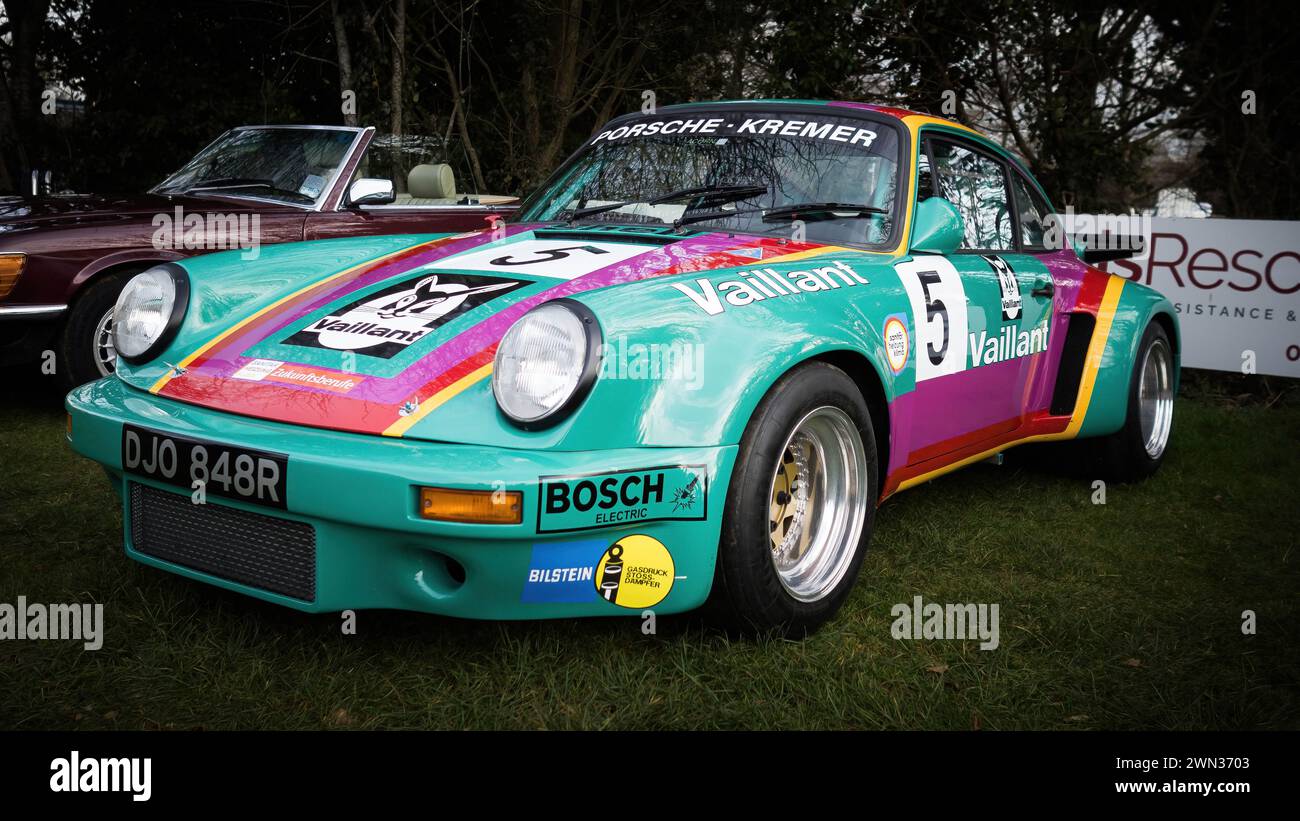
546 363
149 311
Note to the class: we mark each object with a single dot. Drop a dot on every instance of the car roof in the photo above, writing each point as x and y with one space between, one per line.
893 112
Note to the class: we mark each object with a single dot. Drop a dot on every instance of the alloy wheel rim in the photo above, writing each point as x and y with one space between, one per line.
1156 398
105 354
817 503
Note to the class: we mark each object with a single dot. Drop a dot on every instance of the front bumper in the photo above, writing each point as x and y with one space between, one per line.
359 494
26 331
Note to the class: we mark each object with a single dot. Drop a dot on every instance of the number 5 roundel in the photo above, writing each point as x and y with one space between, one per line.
938 299
560 259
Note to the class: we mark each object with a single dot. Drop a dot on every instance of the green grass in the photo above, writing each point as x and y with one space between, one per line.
1126 615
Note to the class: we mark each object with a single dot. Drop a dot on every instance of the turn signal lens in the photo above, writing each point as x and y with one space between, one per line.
11 268
484 507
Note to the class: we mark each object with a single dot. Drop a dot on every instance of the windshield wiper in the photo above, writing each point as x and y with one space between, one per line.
234 183
826 210
822 210
214 183
708 193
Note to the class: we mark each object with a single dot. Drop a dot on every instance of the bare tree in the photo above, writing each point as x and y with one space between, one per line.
23 25
344 58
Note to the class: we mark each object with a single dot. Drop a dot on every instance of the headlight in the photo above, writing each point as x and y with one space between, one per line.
149 311
546 363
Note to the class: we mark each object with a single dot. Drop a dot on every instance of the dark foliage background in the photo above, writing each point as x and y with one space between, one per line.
1108 102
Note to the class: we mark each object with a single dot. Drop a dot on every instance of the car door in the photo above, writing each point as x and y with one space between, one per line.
392 219
979 329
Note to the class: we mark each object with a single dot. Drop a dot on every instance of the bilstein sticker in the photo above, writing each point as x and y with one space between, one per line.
563 572
636 572
383 323
623 497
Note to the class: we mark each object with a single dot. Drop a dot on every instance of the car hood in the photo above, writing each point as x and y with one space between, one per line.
395 327
24 213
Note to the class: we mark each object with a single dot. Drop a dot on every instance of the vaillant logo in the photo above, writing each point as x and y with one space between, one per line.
384 323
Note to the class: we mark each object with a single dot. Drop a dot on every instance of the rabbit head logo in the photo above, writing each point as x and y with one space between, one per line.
384 323
431 299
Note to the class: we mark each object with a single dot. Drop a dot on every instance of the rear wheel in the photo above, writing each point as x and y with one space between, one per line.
87 344
1138 449
800 507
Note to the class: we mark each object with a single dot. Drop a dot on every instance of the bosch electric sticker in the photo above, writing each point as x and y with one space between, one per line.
624 497
383 323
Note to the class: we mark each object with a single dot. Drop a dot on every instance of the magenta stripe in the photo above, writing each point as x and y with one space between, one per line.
490 330
228 357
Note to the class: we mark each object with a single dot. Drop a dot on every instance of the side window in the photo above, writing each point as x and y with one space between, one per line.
1032 210
976 184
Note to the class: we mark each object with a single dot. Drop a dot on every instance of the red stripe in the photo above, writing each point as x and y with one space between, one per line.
295 406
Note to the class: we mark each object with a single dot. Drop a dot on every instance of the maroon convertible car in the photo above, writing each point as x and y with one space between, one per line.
63 259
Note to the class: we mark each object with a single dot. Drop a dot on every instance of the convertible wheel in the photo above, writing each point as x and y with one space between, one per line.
87 348
1137 450
800 506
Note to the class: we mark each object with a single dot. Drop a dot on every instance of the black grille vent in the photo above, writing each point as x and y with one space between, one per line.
1073 353
272 554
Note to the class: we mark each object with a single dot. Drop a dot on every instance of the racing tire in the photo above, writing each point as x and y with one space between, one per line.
1137 450
800 507
86 347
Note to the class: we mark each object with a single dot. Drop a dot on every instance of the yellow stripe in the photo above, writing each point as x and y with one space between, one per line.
438 399
1091 365
798 255
216 340
915 121
1096 350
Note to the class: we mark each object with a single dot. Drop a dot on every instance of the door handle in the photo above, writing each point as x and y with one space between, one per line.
1043 288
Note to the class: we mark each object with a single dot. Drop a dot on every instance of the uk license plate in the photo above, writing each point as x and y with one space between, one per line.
247 475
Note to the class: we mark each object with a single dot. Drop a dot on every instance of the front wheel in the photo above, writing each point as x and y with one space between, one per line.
800 506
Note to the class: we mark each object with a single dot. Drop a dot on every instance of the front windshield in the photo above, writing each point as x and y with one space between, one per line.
752 172
292 165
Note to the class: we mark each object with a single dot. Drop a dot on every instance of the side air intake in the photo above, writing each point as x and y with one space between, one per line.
1077 336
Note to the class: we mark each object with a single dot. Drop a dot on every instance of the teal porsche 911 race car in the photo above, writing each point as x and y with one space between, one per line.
688 370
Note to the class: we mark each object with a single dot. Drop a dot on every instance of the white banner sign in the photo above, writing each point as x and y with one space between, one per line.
1235 285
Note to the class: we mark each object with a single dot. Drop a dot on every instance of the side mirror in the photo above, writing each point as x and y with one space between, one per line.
937 227
371 191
